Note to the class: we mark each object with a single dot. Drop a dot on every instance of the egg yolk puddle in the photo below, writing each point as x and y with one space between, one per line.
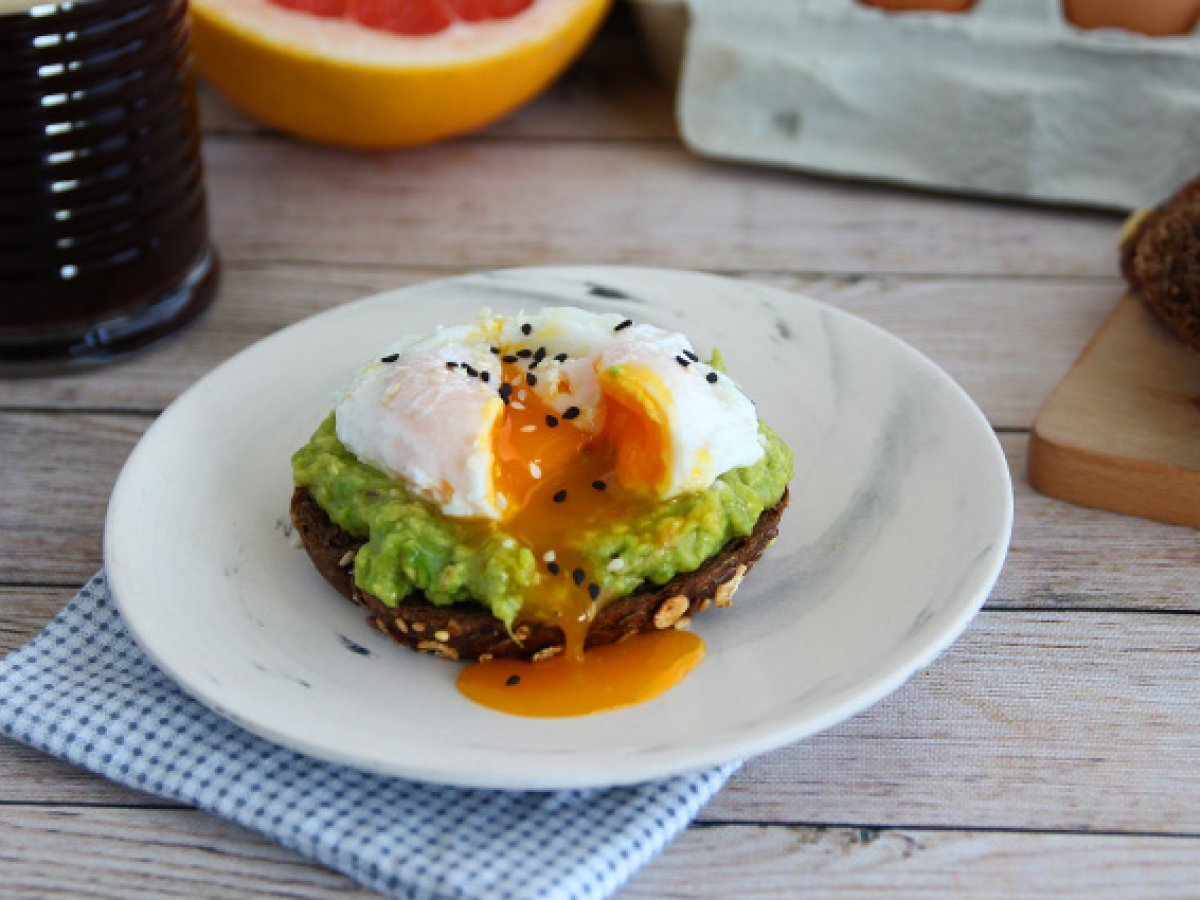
559 481
606 678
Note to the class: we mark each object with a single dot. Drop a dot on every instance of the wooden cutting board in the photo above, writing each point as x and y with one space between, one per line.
1121 431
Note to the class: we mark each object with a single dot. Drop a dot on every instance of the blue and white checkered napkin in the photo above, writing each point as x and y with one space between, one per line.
84 691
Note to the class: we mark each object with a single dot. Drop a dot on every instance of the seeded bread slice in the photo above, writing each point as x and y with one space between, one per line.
1161 260
469 631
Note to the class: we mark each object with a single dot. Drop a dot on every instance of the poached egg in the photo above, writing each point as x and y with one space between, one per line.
470 416
543 425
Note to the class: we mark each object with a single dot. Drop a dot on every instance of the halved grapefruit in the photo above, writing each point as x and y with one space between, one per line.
386 73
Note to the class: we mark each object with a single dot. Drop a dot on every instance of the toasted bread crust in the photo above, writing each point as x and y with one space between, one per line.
1161 261
468 631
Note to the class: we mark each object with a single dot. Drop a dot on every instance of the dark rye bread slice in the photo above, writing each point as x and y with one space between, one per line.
469 631
1161 260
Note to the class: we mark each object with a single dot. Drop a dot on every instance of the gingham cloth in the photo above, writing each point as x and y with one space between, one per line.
84 691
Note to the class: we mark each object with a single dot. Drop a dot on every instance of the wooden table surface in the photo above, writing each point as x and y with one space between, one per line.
1054 749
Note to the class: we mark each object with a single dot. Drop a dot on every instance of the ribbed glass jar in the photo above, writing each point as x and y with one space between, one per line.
103 225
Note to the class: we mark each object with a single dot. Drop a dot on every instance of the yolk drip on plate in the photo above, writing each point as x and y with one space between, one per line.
557 481
604 678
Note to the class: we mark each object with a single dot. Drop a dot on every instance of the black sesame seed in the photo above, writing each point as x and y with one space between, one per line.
553 568
451 365
578 575
470 370
552 421
526 328
594 591
561 357
391 357
512 680
485 376
692 356
495 351
623 325
525 354
530 379
683 361
505 391
571 412
560 496
711 377
539 354
599 484
509 358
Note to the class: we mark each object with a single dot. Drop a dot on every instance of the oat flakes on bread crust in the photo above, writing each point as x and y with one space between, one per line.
1161 261
468 631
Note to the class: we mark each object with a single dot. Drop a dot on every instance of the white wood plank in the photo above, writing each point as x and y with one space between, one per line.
1032 720
33 777
1007 342
851 862
56 473
1048 720
24 611
120 853
481 204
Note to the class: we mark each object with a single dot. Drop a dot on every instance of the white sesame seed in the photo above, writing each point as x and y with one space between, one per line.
501 501
517 404
535 470
509 543
616 565
521 394
549 556
528 428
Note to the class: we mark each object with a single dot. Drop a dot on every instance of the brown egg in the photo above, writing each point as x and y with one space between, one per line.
1157 18
917 5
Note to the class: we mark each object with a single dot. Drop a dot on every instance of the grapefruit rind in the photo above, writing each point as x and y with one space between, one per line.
337 82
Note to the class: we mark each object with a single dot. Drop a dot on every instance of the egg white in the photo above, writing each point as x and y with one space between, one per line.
711 426
425 424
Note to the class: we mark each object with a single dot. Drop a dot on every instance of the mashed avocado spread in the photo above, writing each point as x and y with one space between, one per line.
411 545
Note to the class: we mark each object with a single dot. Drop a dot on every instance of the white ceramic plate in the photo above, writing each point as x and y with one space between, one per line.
899 522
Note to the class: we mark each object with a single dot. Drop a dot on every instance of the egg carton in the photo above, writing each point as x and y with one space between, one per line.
1007 99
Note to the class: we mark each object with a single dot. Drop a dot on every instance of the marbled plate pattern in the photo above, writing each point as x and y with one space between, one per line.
899 523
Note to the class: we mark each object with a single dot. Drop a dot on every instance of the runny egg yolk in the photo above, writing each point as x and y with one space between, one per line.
636 425
606 678
557 482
